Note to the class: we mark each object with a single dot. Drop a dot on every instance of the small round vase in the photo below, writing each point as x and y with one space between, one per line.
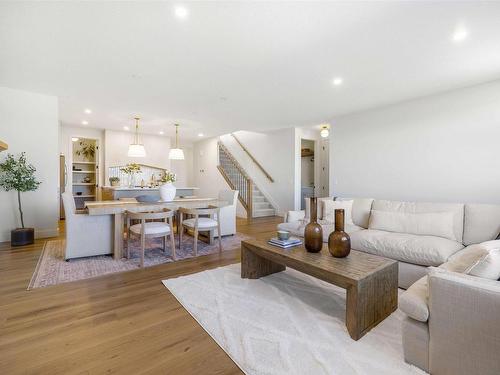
313 233
339 242
167 192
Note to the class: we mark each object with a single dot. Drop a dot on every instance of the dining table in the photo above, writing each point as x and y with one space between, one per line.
118 208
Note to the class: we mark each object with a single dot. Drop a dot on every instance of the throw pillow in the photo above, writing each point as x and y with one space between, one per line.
487 266
329 208
439 224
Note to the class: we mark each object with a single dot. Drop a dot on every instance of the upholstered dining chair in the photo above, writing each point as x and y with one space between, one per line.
151 229
200 224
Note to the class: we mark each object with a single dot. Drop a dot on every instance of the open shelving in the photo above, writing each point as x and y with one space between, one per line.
84 170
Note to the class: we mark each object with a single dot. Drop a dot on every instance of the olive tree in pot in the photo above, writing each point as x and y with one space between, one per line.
18 174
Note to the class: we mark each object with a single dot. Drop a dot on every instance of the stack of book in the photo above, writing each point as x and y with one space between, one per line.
285 244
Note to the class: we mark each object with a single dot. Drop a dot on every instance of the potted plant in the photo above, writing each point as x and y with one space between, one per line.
18 174
131 170
167 188
114 181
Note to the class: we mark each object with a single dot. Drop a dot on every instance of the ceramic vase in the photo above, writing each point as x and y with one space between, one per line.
167 192
313 234
339 242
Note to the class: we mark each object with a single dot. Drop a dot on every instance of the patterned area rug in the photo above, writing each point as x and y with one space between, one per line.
52 269
287 323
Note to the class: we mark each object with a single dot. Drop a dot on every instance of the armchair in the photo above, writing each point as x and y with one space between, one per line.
86 235
462 333
228 213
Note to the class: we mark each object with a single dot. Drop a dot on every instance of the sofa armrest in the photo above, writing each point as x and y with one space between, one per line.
414 301
464 323
293 216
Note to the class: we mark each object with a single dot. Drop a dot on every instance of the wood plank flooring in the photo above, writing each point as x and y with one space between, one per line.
125 323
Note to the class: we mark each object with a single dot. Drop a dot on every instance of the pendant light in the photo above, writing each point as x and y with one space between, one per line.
176 153
136 149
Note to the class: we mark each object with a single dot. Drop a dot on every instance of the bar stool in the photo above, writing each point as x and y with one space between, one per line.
151 229
200 224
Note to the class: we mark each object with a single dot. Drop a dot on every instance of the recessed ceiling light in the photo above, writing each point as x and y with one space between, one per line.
85 122
181 12
337 81
161 132
88 111
75 139
200 134
460 34
125 128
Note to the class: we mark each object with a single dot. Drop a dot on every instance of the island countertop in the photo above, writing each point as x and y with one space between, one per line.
126 188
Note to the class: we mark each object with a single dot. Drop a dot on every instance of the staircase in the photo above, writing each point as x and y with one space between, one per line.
251 198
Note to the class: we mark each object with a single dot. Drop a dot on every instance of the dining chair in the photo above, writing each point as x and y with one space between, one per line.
200 224
151 229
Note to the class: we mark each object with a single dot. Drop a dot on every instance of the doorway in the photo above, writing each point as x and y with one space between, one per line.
307 170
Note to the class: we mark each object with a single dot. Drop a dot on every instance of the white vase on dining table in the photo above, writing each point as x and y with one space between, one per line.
167 192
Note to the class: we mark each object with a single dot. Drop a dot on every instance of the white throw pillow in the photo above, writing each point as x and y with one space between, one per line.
329 208
295 216
439 224
487 266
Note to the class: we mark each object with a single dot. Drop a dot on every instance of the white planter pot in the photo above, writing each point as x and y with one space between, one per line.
167 192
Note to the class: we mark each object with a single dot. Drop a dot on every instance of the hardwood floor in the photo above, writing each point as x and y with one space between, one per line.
125 323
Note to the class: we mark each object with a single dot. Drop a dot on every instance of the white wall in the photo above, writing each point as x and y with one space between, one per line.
206 175
443 148
29 122
274 150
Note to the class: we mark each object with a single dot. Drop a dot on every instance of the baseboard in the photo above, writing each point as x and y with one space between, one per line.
39 233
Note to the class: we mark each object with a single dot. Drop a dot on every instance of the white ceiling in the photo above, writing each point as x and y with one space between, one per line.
241 65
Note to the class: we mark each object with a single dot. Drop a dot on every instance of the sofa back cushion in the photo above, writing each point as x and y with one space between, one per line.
361 208
438 224
319 203
456 209
329 208
482 223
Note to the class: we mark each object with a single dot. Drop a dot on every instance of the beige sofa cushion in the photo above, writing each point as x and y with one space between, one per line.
416 207
481 260
361 209
414 301
329 208
297 229
319 204
482 223
439 224
410 248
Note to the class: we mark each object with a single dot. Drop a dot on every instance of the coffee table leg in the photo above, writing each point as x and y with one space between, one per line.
254 266
371 301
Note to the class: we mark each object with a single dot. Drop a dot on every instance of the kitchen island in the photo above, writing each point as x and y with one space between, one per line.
117 192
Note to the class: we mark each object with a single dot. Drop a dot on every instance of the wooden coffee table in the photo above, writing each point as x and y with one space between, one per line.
371 281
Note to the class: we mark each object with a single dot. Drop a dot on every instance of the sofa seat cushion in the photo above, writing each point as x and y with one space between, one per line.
297 229
410 248
414 301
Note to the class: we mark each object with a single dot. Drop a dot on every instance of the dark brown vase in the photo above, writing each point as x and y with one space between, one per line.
339 242
313 234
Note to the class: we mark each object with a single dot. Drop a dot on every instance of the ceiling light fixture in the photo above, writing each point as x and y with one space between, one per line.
88 111
75 139
161 132
136 149
325 131
176 153
337 81
181 12
126 128
460 34
200 134
85 122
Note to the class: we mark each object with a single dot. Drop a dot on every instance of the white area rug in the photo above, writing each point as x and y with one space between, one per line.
287 323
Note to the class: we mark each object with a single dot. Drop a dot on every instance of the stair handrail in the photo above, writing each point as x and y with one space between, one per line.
253 159
245 194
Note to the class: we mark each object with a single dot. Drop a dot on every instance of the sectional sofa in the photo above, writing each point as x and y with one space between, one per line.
417 235
449 262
